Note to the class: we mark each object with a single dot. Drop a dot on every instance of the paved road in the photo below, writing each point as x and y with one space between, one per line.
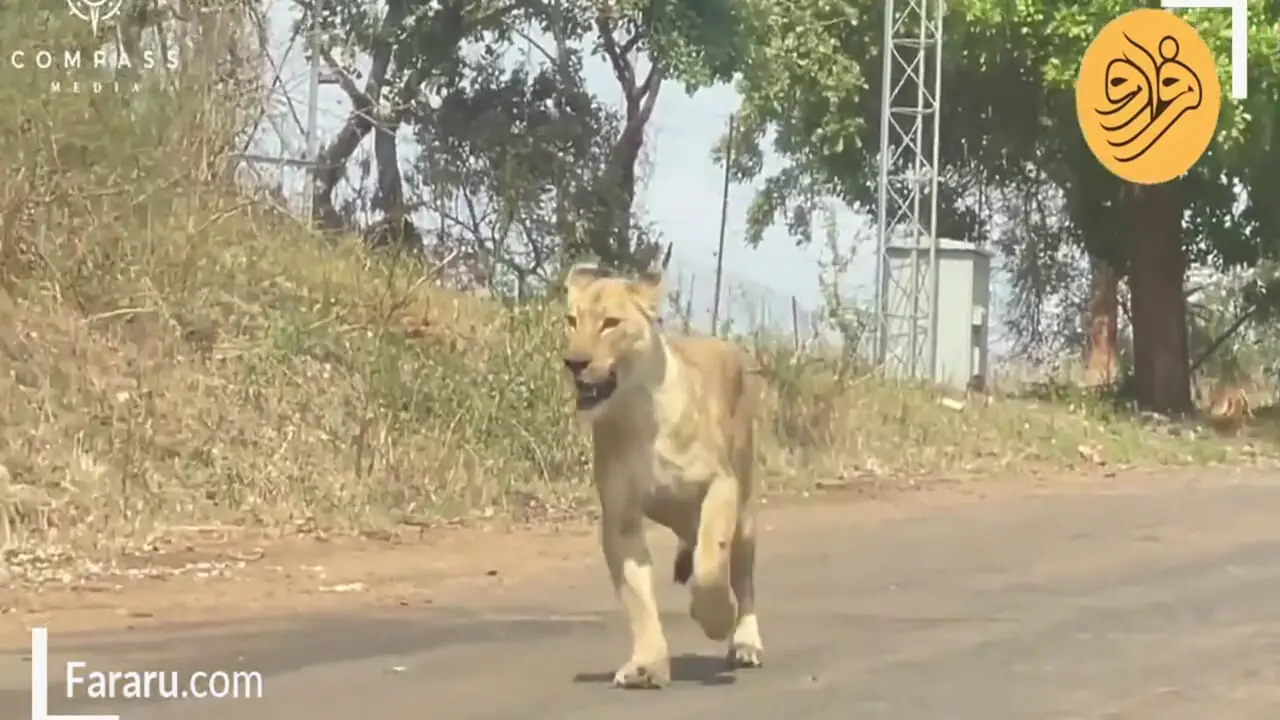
1160 601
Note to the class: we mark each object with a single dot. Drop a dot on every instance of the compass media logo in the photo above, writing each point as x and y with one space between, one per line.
109 68
95 12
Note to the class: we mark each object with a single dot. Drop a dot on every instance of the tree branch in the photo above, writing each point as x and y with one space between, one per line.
618 60
649 91
631 44
536 45
1224 337
332 161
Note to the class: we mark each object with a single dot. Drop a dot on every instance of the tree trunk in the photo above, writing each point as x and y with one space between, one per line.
1157 267
615 191
1101 323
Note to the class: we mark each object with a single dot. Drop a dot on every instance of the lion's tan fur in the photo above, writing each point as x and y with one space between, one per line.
674 443
1228 409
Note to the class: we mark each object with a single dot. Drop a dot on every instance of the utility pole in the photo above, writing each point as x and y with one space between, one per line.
724 220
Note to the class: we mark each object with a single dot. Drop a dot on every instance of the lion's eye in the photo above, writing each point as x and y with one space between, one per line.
571 321
608 323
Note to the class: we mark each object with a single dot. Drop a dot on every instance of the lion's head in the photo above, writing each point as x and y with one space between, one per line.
611 327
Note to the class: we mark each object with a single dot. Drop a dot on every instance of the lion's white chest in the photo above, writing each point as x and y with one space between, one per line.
669 475
673 495
676 477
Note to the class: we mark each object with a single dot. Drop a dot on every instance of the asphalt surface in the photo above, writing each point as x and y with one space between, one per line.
1159 600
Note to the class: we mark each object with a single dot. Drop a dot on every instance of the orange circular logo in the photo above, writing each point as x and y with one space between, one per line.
1147 97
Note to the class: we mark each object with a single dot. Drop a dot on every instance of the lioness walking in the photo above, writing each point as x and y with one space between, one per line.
1229 409
673 440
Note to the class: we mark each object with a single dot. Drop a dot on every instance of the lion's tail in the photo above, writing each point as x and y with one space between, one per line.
684 563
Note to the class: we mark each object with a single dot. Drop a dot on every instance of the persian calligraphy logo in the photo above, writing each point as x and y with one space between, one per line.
95 12
1147 97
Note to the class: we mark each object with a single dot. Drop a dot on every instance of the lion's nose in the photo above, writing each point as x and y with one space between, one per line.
576 363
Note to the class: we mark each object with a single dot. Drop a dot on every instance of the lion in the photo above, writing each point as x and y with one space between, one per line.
672 434
1228 409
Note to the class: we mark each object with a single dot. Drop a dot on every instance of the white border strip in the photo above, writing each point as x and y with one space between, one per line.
1239 36
40 681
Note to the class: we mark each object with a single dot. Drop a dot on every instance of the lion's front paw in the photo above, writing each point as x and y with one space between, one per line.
714 608
745 655
637 675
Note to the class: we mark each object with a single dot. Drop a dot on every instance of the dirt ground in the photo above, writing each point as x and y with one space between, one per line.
224 576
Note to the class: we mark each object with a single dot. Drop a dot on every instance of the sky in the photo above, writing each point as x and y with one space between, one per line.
681 195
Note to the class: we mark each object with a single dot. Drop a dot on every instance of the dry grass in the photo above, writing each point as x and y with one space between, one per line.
864 428
173 354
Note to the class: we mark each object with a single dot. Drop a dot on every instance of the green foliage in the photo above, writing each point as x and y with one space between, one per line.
1007 107
508 161
699 42
523 166
803 80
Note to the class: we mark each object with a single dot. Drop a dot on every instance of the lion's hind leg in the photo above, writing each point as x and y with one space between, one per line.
712 604
746 650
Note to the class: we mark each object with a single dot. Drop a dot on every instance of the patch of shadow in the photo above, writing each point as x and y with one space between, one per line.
686 668
319 639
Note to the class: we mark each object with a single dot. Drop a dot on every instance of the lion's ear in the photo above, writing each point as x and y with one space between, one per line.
580 276
648 289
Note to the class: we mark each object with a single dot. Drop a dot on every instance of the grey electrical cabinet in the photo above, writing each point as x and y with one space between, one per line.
963 317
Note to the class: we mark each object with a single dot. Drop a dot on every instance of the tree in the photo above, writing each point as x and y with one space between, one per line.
508 165
693 41
416 49
423 51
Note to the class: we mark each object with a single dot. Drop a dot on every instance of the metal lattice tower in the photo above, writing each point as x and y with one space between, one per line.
291 130
906 296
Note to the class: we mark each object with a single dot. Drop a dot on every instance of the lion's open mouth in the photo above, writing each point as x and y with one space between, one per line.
591 394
